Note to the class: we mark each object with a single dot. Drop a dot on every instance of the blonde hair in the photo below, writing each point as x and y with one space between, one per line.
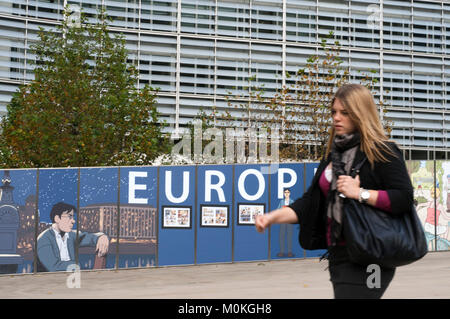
362 111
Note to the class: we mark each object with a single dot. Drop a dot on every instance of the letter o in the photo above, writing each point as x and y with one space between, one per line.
261 184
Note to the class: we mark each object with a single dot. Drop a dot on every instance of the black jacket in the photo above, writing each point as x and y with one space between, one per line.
391 176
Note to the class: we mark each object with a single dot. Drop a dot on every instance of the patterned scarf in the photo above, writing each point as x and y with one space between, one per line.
343 153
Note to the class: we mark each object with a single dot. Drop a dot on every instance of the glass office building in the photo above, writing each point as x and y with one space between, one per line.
197 51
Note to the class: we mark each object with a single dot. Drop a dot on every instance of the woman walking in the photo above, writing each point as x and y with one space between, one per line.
383 182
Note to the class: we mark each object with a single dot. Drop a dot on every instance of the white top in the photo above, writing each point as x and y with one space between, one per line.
62 245
328 172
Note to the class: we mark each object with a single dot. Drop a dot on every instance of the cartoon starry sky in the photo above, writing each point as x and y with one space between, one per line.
150 181
56 185
97 185
24 183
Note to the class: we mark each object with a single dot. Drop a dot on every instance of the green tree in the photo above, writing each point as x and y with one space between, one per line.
301 108
83 107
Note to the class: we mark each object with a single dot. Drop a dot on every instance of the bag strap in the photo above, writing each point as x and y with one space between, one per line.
355 170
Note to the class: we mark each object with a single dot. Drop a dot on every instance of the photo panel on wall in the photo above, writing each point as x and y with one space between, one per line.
252 196
286 186
98 215
138 240
176 236
215 200
58 219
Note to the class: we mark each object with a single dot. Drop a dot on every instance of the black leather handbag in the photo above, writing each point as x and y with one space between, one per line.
377 237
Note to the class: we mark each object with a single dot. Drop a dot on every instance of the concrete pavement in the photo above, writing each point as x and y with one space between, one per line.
278 279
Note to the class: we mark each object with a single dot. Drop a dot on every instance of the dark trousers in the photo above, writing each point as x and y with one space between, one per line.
353 281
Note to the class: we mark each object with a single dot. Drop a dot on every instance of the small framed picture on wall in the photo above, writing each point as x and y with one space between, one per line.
214 216
176 217
247 213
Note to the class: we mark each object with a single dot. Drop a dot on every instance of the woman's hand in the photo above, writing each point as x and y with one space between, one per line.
262 222
348 186
285 215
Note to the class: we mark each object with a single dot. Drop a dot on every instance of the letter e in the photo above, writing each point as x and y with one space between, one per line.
132 187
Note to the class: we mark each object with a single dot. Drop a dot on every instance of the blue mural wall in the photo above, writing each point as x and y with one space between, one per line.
287 178
251 193
177 195
18 221
310 171
98 212
57 188
126 217
215 214
138 217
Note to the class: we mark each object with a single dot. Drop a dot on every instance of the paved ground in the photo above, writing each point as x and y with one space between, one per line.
285 279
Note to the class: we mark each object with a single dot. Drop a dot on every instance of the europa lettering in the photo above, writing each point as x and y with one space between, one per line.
214 181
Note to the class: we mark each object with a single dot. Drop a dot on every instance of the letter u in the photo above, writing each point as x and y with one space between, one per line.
168 188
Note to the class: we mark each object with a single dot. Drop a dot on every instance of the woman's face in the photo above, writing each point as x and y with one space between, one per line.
341 120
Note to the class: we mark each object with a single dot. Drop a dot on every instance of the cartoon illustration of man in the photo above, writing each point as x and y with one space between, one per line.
56 245
432 223
285 229
448 193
